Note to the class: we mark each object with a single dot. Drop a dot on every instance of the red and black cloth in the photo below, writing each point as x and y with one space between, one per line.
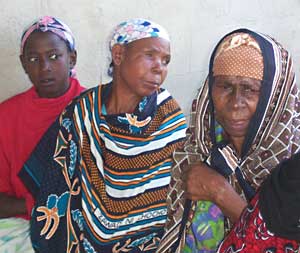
271 222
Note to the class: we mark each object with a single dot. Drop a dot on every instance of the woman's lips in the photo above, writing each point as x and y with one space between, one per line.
47 81
238 125
152 84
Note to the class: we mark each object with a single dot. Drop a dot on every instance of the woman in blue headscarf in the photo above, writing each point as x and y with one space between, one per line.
101 173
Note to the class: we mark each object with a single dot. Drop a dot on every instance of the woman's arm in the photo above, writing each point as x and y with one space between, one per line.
203 183
11 206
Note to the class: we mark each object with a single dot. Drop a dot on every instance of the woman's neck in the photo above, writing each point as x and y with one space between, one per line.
121 101
238 144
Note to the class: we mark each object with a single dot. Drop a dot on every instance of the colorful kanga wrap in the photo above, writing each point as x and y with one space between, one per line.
270 223
101 181
250 234
54 25
135 29
273 135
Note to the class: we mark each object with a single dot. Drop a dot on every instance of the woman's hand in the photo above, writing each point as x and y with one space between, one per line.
11 206
203 183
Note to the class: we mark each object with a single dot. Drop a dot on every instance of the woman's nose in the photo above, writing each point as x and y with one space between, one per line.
44 65
237 99
157 65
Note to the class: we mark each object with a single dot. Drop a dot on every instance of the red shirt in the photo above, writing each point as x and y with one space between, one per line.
24 119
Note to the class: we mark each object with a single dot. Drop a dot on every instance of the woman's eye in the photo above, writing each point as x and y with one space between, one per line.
166 61
32 59
250 89
53 56
149 54
226 87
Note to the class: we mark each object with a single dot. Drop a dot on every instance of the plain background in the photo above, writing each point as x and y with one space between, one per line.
195 26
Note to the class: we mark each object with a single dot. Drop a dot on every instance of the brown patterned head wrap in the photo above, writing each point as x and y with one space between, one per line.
239 55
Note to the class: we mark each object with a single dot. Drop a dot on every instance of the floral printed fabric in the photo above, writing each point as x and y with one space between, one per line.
207 225
14 236
250 234
207 229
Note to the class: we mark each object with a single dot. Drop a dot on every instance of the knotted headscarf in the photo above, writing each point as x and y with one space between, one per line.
49 24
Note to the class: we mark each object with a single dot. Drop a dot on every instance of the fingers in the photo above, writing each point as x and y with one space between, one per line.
196 179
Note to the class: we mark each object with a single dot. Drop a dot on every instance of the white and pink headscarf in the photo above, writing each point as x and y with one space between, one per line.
49 24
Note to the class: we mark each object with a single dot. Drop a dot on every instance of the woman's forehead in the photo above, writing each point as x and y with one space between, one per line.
237 79
150 43
38 41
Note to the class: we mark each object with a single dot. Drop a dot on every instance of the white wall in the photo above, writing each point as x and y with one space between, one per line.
195 27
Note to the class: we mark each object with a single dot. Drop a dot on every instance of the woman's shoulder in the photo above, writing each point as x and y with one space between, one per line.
15 102
86 93
163 96
86 96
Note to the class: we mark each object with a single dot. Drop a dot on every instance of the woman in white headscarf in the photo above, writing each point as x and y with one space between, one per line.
100 175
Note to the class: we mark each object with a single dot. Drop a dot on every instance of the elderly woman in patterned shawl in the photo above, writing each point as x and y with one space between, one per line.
245 121
100 175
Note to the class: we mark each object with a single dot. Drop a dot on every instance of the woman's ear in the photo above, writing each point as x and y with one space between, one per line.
22 59
73 58
117 54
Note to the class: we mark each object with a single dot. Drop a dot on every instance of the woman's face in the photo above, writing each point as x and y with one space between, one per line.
47 62
235 99
144 65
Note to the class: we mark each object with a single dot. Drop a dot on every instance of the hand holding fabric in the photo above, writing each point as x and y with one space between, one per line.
203 183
